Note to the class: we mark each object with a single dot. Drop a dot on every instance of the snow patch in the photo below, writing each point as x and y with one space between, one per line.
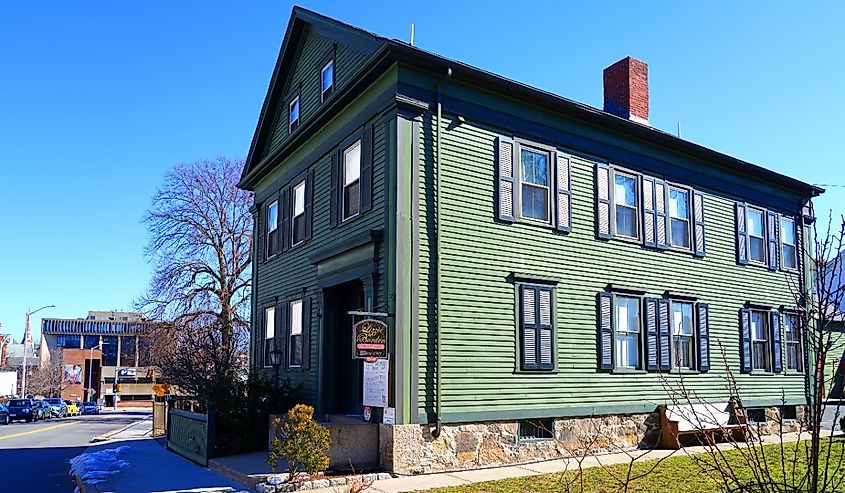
96 467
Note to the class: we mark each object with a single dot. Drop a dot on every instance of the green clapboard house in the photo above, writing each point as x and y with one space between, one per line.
540 264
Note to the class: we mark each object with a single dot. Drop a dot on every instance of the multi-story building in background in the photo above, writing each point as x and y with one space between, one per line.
107 351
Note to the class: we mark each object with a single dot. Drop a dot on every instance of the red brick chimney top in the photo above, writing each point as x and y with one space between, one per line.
626 89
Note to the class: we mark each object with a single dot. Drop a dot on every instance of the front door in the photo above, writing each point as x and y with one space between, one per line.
342 375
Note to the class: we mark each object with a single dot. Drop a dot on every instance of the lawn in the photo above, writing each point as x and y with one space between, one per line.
679 473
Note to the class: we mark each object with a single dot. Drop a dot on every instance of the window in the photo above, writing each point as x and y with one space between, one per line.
67 341
756 227
109 350
536 429
352 181
269 333
789 250
761 355
626 205
144 355
679 217
627 318
536 327
127 351
327 80
293 114
756 415
90 342
793 343
534 184
272 228
295 334
298 211
683 347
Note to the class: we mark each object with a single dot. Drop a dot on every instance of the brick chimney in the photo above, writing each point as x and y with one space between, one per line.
626 89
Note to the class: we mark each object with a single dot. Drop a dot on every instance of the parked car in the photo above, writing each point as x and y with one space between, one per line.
23 410
43 410
90 408
72 408
58 408
4 415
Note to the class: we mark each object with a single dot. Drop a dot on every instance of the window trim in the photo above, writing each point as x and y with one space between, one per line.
551 176
359 141
782 243
293 214
673 360
326 94
765 261
290 333
294 124
518 362
275 225
766 317
689 219
786 343
641 328
264 359
638 210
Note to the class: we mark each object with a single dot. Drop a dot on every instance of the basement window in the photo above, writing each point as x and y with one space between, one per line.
535 430
789 413
756 415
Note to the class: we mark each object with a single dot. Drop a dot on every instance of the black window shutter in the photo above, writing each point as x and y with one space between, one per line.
699 244
649 217
286 331
280 337
545 348
285 212
605 331
334 190
309 204
651 335
529 322
745 339
366 188
603 201
741 234
306 333
703 324
773 236
661 226
665 335
564 192
777 350
280 222
507 179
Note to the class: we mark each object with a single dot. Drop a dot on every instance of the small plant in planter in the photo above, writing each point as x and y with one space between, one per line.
301 441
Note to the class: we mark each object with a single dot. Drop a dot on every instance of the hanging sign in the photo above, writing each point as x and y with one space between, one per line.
370 339
375 382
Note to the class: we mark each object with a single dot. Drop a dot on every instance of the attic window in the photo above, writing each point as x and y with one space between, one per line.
293 114
327 80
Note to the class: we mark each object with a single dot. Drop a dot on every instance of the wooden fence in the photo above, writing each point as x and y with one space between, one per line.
191 435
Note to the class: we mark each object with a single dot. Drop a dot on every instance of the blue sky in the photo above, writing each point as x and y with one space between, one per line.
98 99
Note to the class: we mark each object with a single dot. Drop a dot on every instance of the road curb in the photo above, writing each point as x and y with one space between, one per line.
104 437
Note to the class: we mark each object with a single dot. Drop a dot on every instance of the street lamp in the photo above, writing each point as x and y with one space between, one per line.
276 362
23 378
91 367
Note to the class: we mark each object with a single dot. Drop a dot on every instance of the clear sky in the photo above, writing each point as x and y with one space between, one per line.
98 99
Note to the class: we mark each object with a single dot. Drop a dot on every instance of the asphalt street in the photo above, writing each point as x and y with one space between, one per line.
35 456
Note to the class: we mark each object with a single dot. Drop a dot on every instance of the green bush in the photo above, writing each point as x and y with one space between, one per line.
301 442
842 423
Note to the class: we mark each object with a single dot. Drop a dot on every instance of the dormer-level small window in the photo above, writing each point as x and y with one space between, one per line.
293 114
327 80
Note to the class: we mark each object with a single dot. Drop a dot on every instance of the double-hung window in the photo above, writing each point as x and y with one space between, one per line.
534 184
351 195
298 214
789 250
269 333
327 80
295 343
679 217
760 344
272 228
683 335
627 316
293 114
756 227
794 360
626 205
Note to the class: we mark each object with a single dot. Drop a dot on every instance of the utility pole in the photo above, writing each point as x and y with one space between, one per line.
27 340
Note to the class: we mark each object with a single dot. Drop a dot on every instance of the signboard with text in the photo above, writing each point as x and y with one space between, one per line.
369 339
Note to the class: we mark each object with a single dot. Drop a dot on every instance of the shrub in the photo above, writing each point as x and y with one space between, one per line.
842 423
301 442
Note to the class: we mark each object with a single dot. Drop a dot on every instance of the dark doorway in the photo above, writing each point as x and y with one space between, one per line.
92 377
342 375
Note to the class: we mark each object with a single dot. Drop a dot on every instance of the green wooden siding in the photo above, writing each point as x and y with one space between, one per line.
478 319
306 72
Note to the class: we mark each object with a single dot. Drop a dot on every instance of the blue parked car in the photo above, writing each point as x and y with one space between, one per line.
90 408
22 410
4 415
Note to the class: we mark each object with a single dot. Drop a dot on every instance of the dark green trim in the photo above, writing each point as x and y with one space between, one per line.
619 288
676 295
344 244
350 274
518 277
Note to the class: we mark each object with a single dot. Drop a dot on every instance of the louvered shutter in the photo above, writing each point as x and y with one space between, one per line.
773 237
605 331
649 218
564 192
651 335
546 330
777 346
285 211
664 335
306 333
366 188
603 200
699 244
334 190
280 339
703 324
741 235
528 328
745 339
507 179
309 204
661 226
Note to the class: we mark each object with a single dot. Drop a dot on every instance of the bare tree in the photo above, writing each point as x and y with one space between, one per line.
47 379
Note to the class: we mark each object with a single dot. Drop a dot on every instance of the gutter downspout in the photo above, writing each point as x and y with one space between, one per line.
438 270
